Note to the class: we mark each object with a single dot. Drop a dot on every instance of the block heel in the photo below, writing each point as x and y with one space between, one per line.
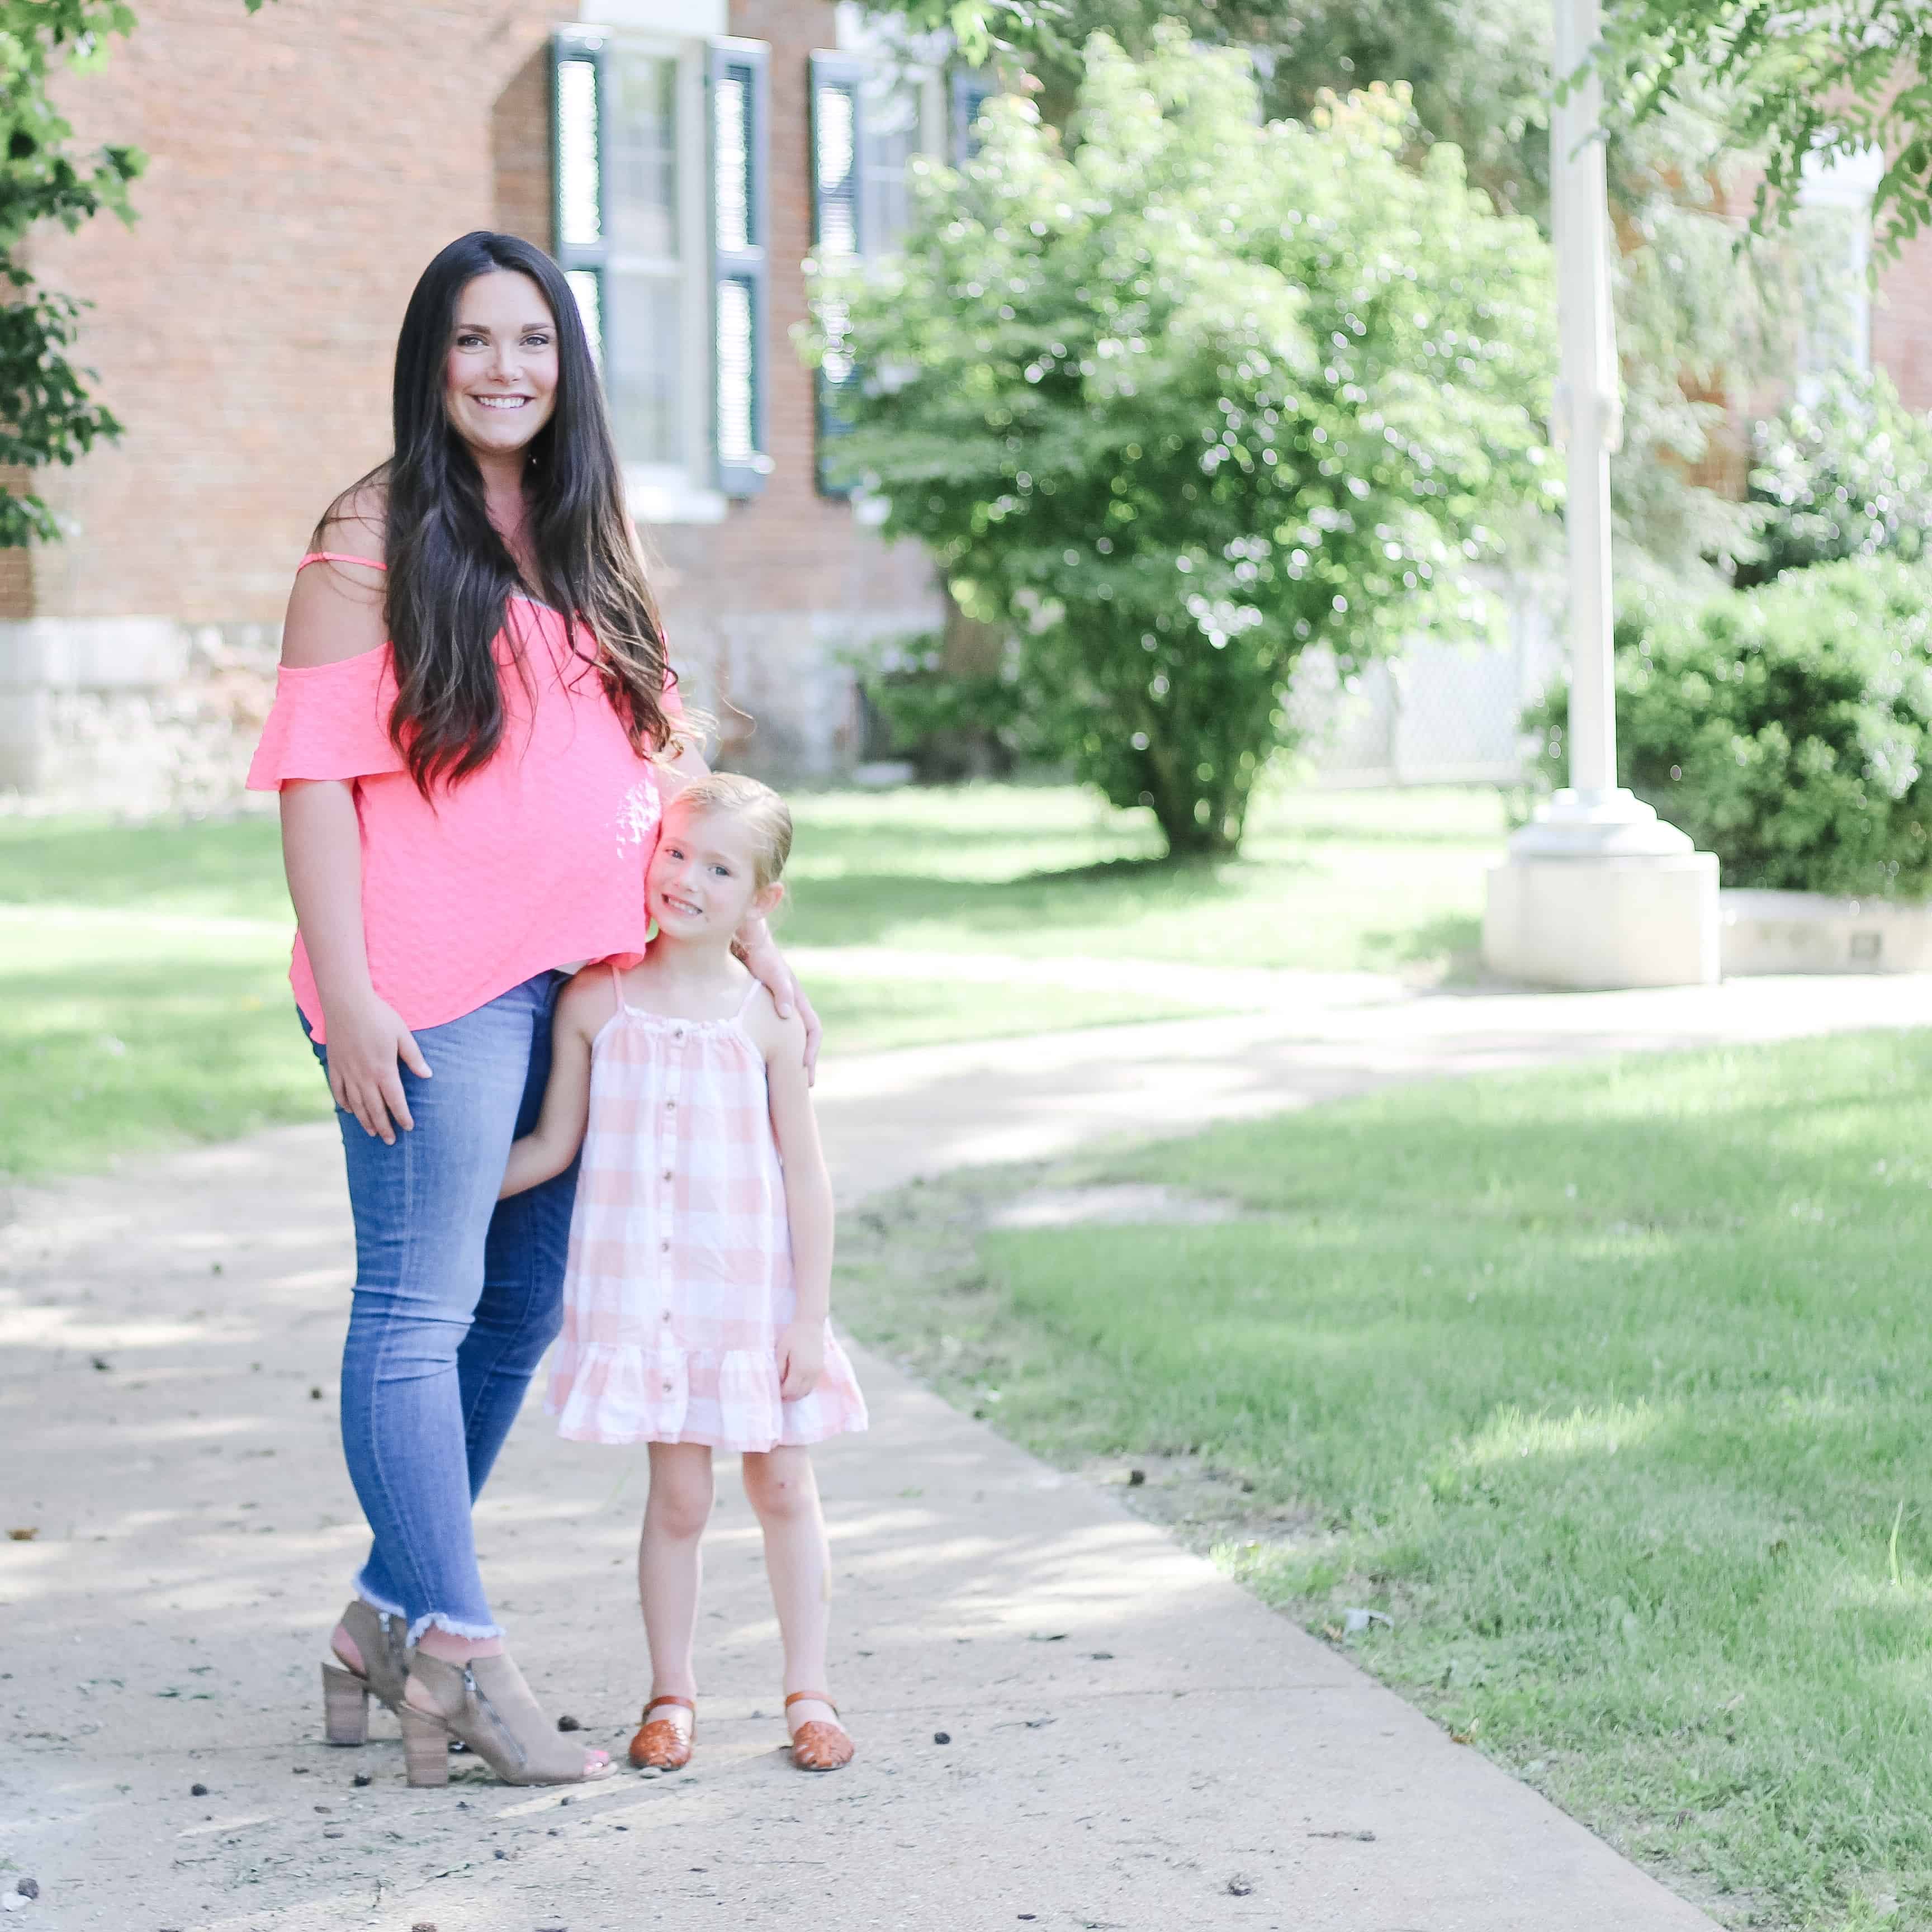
345 1706
425 1749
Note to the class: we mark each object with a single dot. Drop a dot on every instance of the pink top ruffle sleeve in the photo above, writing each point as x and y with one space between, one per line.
535 861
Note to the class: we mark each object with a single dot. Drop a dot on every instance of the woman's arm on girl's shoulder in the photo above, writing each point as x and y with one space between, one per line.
582 1008
755 946
335 610
807 1184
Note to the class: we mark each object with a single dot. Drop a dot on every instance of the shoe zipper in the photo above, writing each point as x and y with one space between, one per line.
489 1710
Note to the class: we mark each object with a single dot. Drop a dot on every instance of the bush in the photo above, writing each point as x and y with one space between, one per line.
1787 729
951 724
1184 398
1848 475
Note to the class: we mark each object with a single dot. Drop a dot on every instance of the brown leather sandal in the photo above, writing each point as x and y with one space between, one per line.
660 1744
817 1745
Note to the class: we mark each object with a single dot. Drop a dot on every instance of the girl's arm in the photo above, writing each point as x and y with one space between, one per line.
808 1203
552 1145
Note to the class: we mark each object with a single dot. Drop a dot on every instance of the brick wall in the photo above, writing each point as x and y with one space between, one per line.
1901 322
17 566
306 162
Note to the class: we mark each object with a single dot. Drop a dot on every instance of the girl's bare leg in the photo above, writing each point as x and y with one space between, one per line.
670 1566
784 1492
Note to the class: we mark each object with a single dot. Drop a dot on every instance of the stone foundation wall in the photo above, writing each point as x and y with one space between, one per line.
136 716
131 715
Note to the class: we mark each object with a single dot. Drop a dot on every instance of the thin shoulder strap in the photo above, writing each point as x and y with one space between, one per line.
617 983
338 556
745 1004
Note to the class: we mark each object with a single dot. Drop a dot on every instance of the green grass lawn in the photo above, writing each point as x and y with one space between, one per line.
130 1030
1330 880
1327 880
1610 1385
134 1032
127 1020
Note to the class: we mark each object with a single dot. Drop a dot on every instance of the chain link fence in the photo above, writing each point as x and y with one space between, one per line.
1441 712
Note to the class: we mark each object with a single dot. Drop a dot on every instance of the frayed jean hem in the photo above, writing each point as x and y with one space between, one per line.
380 1605
436 1620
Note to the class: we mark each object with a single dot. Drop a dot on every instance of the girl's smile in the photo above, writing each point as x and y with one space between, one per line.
704 875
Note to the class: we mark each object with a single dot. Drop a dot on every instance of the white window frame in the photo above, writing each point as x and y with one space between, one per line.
682 492
1849 182
686 490
859 56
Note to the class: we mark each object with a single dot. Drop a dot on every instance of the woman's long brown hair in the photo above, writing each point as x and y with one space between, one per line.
451 576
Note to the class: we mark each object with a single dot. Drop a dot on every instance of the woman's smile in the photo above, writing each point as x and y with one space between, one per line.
500 373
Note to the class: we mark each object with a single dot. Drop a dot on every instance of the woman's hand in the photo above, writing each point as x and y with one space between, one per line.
801 1359
366 1039
766 964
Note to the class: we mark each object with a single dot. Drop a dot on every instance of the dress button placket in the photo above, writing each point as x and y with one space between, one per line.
667 1127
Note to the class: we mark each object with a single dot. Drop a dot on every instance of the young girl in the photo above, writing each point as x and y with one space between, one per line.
701 1252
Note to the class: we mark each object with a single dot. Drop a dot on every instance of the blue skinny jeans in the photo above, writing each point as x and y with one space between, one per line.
457 1295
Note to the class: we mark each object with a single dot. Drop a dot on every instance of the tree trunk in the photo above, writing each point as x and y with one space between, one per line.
1190 833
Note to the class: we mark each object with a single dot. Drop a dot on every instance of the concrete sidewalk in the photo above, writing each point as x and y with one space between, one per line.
1133 1742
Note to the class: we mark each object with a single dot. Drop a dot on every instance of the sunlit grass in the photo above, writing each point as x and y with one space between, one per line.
133 1033
1329 880
1610 1386
105 937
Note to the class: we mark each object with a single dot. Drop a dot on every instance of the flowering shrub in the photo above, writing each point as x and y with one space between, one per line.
1848 474
1181 399
1788 729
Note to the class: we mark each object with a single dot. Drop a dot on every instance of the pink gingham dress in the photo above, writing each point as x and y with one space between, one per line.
679 1273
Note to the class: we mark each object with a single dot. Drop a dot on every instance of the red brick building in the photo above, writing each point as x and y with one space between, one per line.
305 163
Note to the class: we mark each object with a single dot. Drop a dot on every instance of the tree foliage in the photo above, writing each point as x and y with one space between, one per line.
46 415
1198 394
1804 79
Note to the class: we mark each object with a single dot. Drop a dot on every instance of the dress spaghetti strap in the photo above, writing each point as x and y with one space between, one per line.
338 556
745 1004
617 983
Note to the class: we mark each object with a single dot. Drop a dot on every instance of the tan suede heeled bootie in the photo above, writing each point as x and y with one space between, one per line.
378 1637
486 1704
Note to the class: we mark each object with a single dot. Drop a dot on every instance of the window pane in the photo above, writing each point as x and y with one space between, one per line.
737 442
838 170
642 364
585 285
641 140
891 140
733 188
577 171
971 92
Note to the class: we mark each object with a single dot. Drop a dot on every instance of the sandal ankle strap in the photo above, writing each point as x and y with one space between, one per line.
811 1697
682 1703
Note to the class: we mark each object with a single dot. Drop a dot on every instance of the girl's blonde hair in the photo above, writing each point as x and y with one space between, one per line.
764 812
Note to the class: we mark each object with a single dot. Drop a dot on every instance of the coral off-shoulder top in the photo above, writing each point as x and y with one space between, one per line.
535 860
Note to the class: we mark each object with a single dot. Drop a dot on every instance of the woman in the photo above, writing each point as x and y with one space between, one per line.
469 795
